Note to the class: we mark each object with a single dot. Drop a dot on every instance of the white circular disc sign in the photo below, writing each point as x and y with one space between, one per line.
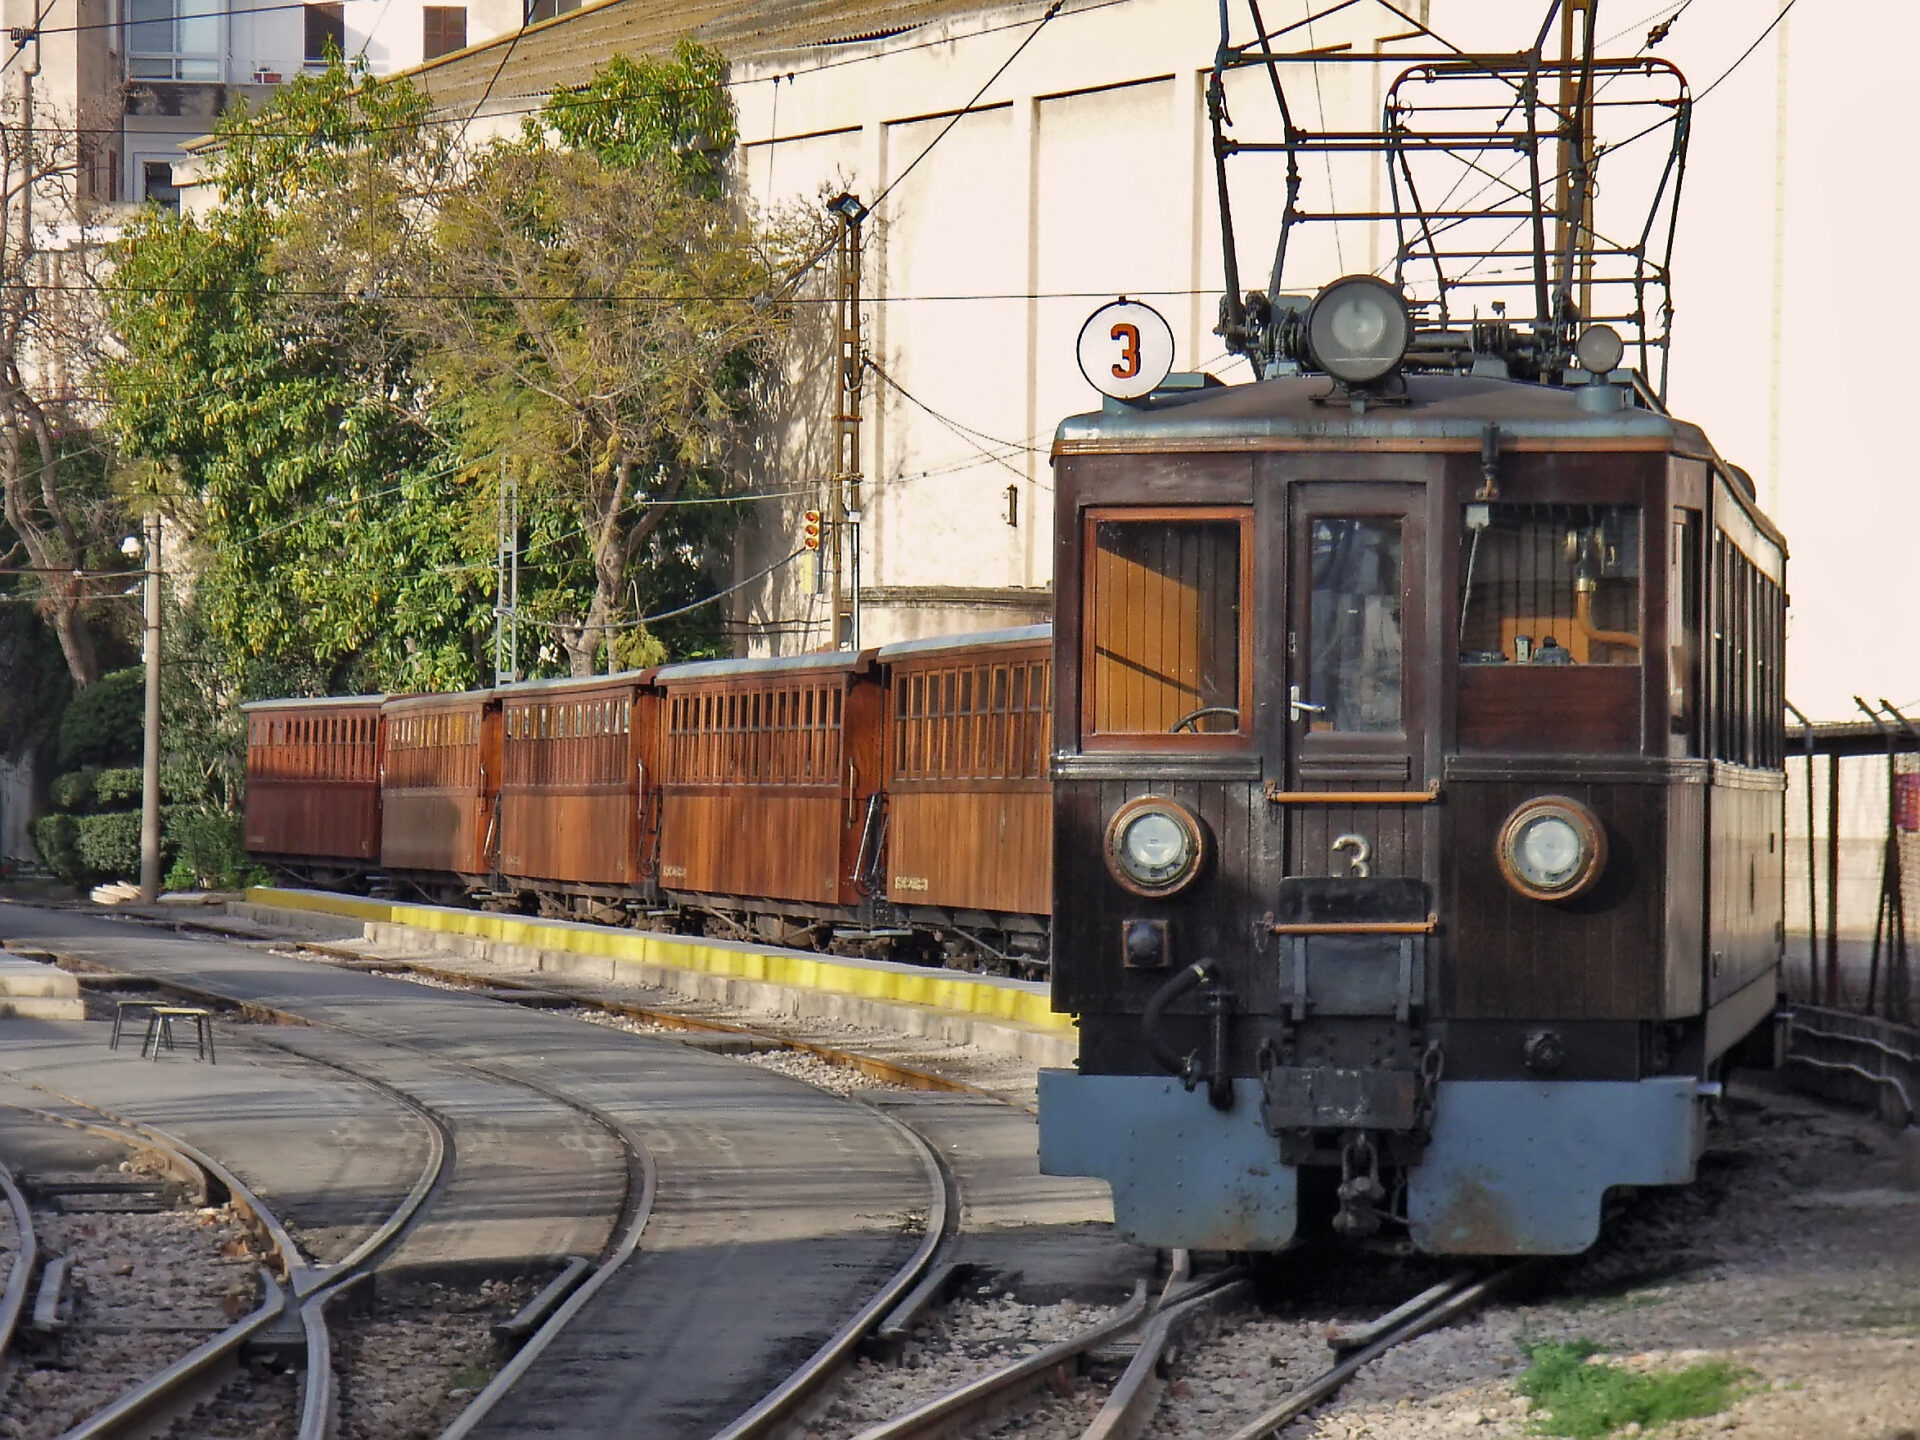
1126 349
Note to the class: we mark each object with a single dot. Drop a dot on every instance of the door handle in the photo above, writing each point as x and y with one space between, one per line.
1296 707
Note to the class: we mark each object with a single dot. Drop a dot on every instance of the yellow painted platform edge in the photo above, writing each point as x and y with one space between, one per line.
935 989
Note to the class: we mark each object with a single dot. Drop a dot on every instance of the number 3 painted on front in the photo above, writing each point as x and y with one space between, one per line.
1129 363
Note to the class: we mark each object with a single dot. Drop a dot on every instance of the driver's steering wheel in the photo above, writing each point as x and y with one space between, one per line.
1189 721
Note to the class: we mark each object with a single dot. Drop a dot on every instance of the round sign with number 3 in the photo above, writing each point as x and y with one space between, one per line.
1126 349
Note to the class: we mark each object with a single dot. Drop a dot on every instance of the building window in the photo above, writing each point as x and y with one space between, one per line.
444 30
326 33
173 40
548 9
157 187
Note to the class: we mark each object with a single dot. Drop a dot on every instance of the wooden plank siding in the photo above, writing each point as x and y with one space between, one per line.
970 809
765 778
440 783
313 779
576 774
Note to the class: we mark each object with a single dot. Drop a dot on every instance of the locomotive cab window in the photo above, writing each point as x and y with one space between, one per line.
1550 628
1166 643
1550 585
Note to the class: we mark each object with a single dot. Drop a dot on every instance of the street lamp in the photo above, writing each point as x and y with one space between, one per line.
132 547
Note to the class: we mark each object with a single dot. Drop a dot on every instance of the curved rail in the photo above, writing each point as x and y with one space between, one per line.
824 1365
981 1398
1131 1403
1441 1306
25 1254
307 1286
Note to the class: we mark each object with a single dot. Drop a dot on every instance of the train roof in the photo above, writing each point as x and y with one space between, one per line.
439 699
938 644
619 679
1443 412
316 702
1432 407
732 669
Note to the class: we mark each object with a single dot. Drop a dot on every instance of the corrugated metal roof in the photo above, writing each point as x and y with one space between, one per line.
621 680
564 51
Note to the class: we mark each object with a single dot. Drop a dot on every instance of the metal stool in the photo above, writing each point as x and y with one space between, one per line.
160 1030
120 1008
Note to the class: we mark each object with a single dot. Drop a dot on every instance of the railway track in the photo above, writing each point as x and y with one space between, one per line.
665 1307
1145 1334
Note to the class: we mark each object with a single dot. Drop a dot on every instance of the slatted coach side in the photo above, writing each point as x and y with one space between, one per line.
970 808
313 782
768 770
439 787
579 787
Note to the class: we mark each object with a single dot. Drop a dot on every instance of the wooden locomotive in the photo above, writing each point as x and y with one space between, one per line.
1418 800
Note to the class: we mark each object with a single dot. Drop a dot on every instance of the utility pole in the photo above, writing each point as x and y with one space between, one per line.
150 755
1573 189
845 501
506 591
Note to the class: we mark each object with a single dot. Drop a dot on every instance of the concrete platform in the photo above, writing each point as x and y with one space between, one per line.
35 990
987 1012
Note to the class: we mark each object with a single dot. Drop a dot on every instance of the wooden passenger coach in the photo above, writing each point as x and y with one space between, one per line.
313 783
770 773
579 790
969 826
439 788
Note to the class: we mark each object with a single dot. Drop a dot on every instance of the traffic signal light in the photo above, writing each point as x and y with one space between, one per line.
810 530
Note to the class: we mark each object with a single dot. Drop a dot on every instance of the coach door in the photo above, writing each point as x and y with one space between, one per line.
1356 689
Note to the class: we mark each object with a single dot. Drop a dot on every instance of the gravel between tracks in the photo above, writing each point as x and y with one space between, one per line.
956 1344
410 1366
145 1289
1793 1258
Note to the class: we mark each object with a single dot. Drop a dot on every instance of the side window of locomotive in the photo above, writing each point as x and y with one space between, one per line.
1684 611
1165 650
1545 585
1355 657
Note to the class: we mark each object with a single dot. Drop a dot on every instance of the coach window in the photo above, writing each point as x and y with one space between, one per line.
1165 633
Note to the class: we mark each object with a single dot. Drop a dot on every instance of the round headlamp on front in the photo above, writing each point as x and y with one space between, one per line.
1358 329
1599 349
1155 847
1552 848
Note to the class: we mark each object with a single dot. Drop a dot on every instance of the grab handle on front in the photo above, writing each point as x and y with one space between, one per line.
1296 707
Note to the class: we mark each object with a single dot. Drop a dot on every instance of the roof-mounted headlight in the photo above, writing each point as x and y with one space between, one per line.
1358 329
1599 349
1552 848
1155 847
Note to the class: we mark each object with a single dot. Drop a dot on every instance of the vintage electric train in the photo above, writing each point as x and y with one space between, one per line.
1418 798
887 802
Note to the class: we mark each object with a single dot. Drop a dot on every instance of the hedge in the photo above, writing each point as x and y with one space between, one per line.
103 723
53 837
109 845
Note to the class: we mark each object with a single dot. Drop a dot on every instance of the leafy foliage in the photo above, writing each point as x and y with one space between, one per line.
120 786
672 115
301 456
103 724
209 849
53 836
1586 1399
108 845
74 791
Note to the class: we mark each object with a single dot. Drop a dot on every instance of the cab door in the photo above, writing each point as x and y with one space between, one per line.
1356 693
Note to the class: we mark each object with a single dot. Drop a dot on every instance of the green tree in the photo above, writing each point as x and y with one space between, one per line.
282 421
593 306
